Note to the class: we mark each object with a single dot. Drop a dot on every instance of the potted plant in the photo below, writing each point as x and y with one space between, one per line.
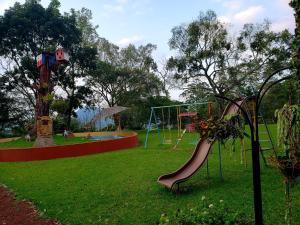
287 156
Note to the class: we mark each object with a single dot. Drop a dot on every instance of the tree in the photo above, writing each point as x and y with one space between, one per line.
296 44
262 52
124 75
122 86
25 31
82 61
204 56
11 114
209 62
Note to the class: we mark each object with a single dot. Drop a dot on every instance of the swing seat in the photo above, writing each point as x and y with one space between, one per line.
168 141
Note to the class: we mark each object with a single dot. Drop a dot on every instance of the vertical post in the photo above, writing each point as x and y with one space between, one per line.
158 131
243 153
178 124
220 161
256 170
148 129
207 168
256 183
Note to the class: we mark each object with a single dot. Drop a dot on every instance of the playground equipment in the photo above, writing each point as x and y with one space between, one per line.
163 122
198 158
265 142
203 147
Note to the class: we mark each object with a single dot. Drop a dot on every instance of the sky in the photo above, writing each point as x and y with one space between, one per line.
150 21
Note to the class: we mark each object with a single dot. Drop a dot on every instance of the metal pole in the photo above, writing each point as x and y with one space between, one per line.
220 161
148 129
158 132
256 170
207 169
255 163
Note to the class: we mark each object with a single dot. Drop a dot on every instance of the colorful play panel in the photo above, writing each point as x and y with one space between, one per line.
106 142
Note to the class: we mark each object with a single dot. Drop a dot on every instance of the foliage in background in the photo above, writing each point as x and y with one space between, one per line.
210 62
295 4
288 130
25 31
206 214
137 116
82 61
280 93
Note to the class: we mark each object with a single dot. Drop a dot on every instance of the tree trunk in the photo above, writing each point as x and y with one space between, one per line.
69 113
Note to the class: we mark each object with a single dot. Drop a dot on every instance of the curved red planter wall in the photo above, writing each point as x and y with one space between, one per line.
63 151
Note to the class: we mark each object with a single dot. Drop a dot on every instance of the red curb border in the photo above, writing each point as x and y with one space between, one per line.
64 151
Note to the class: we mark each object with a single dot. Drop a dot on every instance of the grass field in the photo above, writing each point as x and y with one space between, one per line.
58 139
121 188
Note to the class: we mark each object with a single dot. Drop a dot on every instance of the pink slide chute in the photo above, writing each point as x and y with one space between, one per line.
199 156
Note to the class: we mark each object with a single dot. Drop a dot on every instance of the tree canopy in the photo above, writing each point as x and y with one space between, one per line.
211 62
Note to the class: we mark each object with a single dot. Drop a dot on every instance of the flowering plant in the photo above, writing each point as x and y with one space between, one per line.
206 214
230 126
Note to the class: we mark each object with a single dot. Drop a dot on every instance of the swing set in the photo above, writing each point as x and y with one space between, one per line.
164 119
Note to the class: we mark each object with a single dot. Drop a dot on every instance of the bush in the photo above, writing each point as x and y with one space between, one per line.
206 214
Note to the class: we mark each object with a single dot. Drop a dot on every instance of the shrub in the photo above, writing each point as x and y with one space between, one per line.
206 214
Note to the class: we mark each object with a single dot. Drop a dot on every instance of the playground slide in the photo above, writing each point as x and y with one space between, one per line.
198 158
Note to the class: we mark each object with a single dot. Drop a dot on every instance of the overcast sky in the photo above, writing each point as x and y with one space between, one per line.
150 21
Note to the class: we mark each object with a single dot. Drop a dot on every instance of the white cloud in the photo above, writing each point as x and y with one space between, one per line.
113 8
117 6
129 40
284 4
283 24
249 15
233 5
224 19
122 1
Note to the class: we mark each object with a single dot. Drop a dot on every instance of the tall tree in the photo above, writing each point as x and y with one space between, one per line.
204 54
25 31
296 44
262 52
82 61
123 75
12 113
210 62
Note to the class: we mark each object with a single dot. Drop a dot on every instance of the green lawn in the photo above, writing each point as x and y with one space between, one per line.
121 188
58 139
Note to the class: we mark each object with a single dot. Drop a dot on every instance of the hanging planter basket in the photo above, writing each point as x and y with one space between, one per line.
287 157
290 168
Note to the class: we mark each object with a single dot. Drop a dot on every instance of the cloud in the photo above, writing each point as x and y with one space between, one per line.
284 4
224 19
233 5
249 14
117 6
278 26
129 40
